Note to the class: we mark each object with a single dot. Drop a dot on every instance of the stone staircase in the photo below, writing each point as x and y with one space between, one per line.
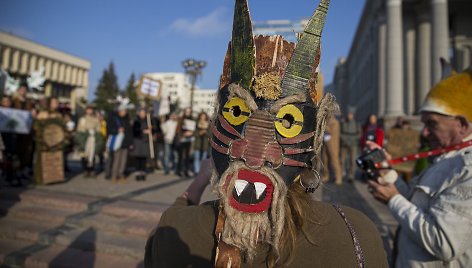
40 228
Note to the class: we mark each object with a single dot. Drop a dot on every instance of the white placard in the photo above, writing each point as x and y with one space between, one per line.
15 121
150 88
190 125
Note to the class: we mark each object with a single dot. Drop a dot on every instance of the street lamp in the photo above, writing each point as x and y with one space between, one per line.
193 68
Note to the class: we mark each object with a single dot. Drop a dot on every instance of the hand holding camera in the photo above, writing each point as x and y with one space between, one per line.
373 157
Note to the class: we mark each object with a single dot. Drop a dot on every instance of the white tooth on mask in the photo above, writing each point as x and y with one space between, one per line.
260 187
240 185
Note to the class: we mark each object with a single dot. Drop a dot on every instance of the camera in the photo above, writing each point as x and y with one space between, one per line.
368 162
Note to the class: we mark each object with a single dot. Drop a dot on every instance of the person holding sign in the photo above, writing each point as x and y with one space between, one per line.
121 134
435 209
141 150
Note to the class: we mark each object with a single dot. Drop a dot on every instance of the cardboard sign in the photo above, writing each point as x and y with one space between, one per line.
52 167
150 88
15 121
402 142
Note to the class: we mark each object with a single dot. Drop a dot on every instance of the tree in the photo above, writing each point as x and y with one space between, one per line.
131 90
107 89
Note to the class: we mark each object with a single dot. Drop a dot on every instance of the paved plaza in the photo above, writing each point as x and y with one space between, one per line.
91 222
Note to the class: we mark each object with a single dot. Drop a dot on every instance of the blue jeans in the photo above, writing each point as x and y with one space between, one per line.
169 157
197 159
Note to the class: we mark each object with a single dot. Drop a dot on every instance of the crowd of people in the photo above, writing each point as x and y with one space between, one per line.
107 142
343 142
19 150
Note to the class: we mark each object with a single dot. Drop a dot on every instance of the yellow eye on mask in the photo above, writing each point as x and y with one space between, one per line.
236 111
289 121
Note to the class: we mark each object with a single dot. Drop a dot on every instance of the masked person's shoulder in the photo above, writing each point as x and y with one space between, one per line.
340 227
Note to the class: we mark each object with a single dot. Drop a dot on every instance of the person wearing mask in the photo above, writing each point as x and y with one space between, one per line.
141 150
434 210
185 127
119 123
201 145
264 215
169 128
350 135
89 140
371 131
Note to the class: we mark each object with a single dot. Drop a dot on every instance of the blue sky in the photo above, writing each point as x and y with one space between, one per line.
156 36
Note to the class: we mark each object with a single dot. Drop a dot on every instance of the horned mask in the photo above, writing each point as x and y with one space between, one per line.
267 114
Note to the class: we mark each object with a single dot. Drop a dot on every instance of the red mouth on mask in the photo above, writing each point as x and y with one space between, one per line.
252 192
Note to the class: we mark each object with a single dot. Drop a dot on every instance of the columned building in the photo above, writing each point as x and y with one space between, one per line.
394 57
66 75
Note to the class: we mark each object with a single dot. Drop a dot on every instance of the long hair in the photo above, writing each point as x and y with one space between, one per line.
297 209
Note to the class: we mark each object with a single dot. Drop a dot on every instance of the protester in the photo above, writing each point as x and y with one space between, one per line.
158 139
201 146
111 127
350 137
169 128
89 140
10 157
54 108
120 125
25 143
434 210
185 127
265 135
399 123
103 132
371 131
331 152
141 150
70 120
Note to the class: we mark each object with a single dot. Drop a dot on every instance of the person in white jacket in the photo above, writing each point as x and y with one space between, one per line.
434 210
169 129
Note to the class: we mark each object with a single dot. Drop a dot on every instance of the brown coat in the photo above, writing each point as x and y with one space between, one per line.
184 238
17 104
331 151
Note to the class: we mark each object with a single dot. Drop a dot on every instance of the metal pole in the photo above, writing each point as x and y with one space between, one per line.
194 75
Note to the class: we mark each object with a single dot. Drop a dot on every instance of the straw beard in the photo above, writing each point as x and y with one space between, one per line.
245 230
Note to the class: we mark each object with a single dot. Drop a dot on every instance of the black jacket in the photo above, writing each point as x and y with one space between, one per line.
114 122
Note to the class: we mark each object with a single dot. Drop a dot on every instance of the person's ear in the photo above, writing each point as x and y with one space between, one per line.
465 124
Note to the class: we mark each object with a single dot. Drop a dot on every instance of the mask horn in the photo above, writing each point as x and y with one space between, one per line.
242 46
298 73
447 69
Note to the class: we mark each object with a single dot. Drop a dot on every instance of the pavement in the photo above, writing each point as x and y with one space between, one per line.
108 223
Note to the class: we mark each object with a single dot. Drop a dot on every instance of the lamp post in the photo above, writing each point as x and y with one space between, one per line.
193 68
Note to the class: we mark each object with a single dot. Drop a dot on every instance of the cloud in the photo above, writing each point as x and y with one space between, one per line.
212 24
18 31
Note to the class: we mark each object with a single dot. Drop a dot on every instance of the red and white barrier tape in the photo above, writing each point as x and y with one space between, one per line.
426 154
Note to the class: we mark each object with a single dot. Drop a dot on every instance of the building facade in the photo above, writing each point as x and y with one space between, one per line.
66 75
204 100
176 90
175 86
394 57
